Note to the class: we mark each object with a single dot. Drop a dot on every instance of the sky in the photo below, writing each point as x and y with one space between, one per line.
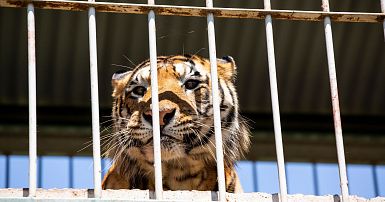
261 176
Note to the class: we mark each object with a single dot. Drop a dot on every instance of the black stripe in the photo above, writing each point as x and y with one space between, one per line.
139 182
231 186
120 107
187 55
230 118
222 94
187 176
192 140
133 142
187 59
148 141
189 138
233 93
166 187
117 106
203 178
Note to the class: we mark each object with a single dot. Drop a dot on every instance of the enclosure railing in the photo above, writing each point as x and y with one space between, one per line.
210 12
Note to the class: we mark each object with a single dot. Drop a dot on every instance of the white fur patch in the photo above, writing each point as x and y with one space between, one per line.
180 68
143 74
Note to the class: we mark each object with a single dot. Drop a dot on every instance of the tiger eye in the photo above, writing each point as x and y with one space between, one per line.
139 90
191 84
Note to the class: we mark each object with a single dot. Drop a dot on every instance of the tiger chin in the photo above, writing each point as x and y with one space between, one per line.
186 126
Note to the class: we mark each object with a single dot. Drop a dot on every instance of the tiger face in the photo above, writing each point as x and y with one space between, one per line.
185 114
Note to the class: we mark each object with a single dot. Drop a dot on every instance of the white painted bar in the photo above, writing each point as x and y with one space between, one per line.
216 103
32 100
155 103
275 104
335 104
383 10
95 102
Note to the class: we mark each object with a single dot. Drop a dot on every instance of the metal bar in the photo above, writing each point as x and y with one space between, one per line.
375 181
94 103
315 179
155 103
383 11
199 11
32 100
71 171
275 104
335 104
216 103
40 171
7 171
255 178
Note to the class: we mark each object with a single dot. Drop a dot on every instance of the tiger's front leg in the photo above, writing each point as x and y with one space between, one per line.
113 180
233 184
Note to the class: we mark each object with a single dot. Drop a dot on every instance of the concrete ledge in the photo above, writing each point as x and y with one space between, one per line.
51 195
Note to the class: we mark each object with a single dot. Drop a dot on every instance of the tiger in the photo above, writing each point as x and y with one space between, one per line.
186 121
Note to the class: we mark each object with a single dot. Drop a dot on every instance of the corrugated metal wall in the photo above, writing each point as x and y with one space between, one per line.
63 64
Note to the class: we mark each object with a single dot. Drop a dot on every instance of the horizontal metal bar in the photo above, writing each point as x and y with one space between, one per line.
50 195
199 11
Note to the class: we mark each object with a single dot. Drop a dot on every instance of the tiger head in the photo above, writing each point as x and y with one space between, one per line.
185 112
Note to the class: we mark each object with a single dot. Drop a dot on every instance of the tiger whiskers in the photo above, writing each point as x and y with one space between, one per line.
197 52
118 65
128 59
209 149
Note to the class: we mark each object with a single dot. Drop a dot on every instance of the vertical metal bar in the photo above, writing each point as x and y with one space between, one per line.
32 100
7 171
335 104
255 178
315 179
383 10
71 171
40 171
275 104
375 181
155 103
94 102
216 103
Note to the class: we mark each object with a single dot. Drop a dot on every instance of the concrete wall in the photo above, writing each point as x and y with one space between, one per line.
145 195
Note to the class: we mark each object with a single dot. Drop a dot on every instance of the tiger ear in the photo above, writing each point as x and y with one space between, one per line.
119 80
227 68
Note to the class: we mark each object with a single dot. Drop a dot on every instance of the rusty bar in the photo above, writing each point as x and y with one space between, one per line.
94 103
199 11
275 104
335 104
32 100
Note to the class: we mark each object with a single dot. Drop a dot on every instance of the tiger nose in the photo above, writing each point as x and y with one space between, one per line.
165 116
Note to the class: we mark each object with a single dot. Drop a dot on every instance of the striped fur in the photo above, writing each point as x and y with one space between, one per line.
187 139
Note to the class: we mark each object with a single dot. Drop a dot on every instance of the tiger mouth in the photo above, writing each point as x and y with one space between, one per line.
163 137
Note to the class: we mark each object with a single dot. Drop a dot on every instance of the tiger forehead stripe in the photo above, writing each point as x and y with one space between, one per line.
185 68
